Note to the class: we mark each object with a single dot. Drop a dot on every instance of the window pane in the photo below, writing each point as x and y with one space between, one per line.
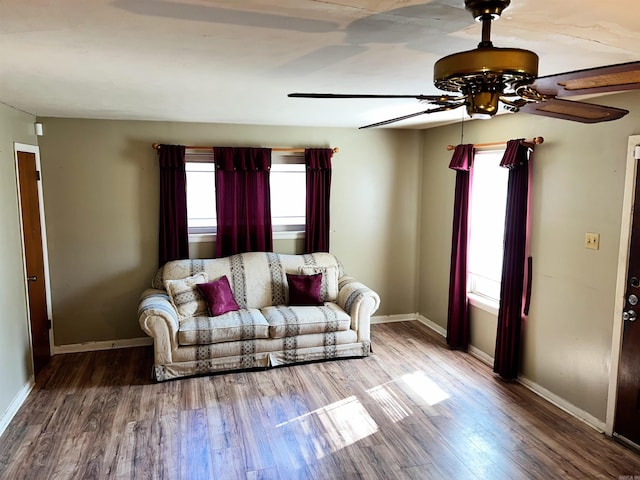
487 215
484 286
201 196
288 195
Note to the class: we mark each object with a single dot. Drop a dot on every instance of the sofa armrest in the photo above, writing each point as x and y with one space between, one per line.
360 302
158 319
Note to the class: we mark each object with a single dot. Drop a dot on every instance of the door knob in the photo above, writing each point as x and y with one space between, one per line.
630 315
32 279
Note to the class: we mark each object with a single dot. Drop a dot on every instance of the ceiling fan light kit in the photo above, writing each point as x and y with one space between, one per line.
488 77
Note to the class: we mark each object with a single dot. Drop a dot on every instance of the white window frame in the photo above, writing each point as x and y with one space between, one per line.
280 232
476 294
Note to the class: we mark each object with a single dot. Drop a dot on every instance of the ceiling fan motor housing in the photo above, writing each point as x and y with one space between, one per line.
484 75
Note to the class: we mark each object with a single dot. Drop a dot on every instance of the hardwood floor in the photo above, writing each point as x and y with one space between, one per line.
413 410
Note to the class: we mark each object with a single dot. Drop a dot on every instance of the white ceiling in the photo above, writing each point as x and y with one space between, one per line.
231 61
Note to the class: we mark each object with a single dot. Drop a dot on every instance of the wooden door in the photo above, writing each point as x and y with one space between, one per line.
34 259
627 412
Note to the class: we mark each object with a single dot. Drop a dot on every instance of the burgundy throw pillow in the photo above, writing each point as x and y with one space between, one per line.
218 296
305 289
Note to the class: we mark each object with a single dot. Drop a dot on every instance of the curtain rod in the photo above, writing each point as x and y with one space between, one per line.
156 146
527 143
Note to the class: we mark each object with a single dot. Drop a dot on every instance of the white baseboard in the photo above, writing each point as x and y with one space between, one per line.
432 325
480 355
551 397
106 345
562 404
393 318
15 405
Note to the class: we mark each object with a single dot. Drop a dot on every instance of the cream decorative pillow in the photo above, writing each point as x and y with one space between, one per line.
329 287
186 297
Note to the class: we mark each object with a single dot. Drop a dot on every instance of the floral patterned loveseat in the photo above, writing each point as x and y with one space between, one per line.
265 330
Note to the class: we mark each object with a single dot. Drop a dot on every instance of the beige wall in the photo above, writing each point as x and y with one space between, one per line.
101 197
578 179
391 220
483 333
15 352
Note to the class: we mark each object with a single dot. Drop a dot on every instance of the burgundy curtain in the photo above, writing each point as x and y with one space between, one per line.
173 236
318 166
514 266
243 202
458 316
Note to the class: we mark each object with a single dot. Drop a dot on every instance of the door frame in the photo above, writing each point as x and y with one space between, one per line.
621 279
23 147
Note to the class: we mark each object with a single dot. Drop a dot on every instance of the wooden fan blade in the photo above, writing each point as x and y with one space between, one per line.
574 111
411 115
430 98
611 78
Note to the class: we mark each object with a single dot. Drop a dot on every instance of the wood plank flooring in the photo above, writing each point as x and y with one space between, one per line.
413 410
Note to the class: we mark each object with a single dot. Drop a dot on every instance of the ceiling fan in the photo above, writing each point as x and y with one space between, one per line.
487 77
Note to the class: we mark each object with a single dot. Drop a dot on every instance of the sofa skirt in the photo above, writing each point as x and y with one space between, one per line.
260 359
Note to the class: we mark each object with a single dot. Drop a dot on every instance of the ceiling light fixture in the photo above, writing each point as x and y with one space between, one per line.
486 75
487 78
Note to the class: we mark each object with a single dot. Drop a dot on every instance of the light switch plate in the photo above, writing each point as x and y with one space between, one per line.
592 241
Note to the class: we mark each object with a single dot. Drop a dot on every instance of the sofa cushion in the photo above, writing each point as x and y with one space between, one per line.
304 289
329 286
230 327
185 296
257 279
287 321
218 296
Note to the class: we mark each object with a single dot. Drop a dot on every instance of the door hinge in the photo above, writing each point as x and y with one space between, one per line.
49 324
38 175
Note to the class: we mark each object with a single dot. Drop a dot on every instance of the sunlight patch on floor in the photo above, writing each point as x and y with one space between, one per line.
425 388
389 402
345 422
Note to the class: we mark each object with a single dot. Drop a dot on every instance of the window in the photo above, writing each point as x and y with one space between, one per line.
201 195
288 192
487 205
